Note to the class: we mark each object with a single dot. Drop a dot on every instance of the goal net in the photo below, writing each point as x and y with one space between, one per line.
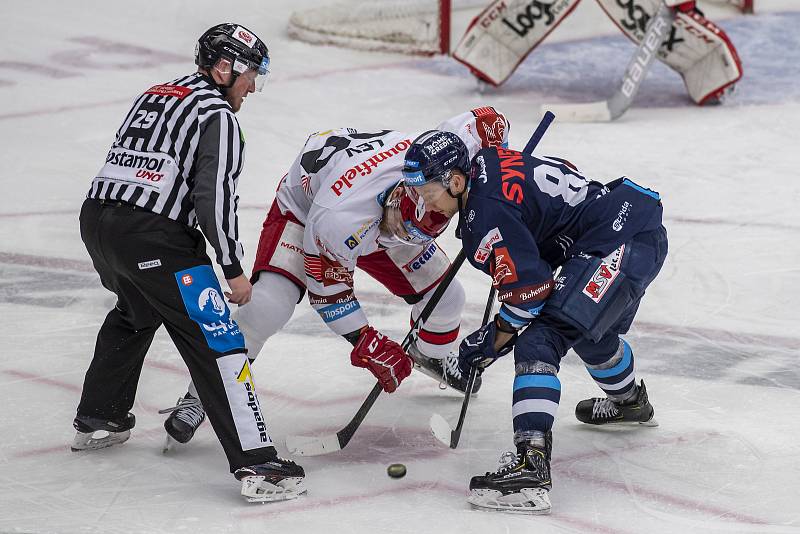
408 26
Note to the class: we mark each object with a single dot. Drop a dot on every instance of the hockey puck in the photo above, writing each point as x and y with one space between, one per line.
396 470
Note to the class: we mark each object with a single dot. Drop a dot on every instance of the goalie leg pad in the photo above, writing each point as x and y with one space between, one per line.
695 47
504 33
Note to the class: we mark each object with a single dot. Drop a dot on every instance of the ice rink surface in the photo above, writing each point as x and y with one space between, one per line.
717 338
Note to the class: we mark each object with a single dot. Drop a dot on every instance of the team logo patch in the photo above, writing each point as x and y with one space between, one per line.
202 297
503 270
605 275
491 130
328 271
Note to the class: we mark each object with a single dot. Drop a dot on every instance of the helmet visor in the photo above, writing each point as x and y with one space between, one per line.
258 71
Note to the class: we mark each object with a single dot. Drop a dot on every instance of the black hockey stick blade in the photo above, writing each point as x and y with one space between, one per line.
544 124
314 446
440 429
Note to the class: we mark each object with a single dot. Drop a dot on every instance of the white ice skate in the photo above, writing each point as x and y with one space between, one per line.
93 433
275 480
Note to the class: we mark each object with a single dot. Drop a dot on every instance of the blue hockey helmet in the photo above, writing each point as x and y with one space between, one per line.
433 156
428 167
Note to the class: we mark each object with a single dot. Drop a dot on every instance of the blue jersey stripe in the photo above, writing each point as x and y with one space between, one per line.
641 189
513 318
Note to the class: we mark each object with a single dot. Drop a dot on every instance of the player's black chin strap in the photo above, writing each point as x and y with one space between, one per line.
460 199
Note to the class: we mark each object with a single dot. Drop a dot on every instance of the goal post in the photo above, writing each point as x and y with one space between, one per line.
407 26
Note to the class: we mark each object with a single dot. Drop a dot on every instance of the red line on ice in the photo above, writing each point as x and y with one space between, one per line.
42 380
309 504
648 493
689 332
688 504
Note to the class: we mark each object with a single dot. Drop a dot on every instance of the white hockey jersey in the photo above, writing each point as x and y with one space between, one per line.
333 188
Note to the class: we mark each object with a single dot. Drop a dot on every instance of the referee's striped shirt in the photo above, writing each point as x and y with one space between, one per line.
179 153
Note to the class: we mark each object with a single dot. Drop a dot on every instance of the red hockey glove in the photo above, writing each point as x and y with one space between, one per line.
383 357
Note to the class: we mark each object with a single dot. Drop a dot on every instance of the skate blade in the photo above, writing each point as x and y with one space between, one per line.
532 501
623 424
649 423
85 441
257 489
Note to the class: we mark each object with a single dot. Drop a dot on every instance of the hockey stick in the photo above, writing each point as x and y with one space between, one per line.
440 428
314 446
544 124
635 73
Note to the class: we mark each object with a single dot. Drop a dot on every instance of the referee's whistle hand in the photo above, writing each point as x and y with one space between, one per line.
241 289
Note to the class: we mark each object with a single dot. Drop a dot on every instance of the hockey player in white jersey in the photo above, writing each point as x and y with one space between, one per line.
325 221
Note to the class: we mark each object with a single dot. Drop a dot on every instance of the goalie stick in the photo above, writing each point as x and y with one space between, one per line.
439 426
314 446
635 73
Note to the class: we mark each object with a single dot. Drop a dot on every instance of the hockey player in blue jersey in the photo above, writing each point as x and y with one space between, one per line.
522 219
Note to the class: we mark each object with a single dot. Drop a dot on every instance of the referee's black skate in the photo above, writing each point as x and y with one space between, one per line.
94 433
275 480
445 370
185 417
597 411
521 485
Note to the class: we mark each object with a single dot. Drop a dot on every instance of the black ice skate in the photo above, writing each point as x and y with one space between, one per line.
94 433
185 417
275 480
521 485
444 370
605 411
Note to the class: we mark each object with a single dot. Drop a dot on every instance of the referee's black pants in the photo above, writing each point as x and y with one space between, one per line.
140 257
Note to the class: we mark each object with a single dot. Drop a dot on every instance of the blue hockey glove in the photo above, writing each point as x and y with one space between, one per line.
477 349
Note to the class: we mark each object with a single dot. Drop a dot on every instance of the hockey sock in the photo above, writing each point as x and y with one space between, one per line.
537 392
616 376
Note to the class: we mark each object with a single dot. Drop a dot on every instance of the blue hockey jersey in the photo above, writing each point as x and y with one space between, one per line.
527 215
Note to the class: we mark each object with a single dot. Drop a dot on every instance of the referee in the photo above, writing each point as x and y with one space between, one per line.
173 167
